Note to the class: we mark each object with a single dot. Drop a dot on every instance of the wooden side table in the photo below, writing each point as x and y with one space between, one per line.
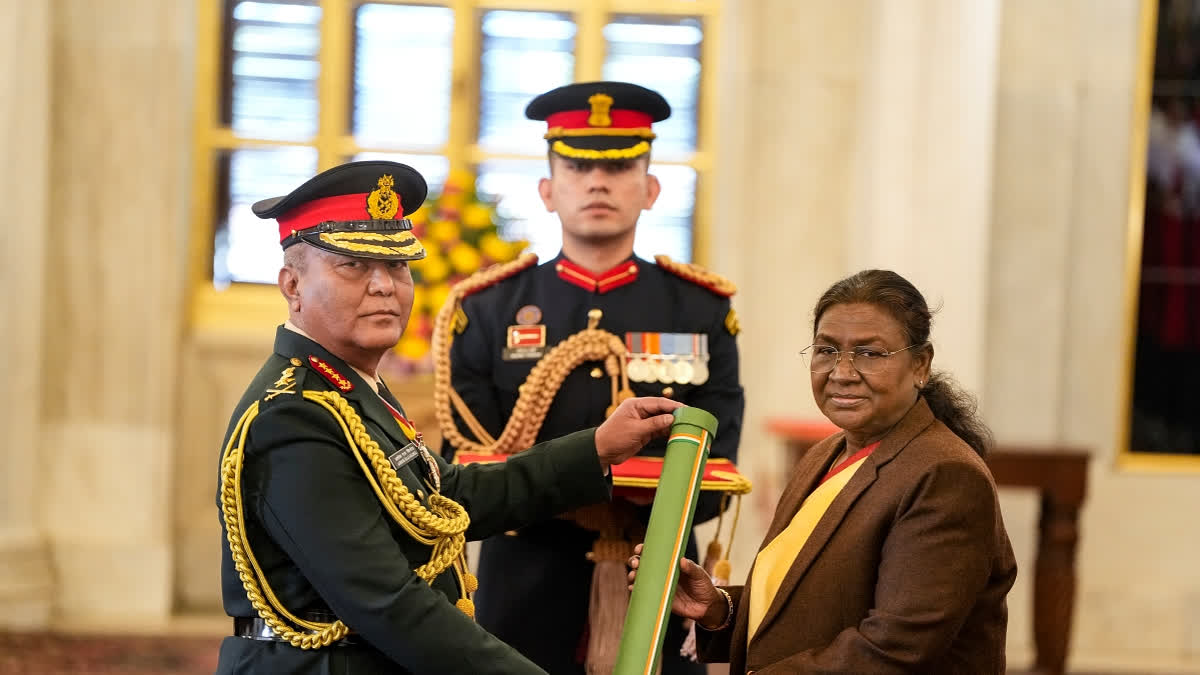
1059 475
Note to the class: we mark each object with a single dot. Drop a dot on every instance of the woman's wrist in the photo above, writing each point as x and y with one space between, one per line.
719 613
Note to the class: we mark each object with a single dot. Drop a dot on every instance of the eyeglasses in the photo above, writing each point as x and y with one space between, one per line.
866 360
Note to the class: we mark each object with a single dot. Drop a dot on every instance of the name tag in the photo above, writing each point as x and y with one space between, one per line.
404 455
524 343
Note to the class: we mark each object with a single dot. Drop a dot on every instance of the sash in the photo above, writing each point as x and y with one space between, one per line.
776 558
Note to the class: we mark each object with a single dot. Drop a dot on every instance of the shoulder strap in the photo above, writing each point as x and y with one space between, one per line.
698 275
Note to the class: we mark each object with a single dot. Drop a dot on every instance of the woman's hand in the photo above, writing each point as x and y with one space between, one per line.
695 596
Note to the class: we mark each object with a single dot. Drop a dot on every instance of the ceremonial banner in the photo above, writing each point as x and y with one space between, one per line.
670 524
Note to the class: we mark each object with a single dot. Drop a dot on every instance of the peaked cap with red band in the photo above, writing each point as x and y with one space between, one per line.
354 209
599 120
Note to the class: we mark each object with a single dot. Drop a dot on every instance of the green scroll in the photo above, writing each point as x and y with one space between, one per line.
666 536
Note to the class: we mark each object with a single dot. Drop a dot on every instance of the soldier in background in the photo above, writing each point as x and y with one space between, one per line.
678 333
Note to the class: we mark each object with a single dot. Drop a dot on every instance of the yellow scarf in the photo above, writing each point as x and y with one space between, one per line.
776 558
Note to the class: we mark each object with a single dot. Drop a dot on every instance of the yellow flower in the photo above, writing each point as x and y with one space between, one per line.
412 347
496 248
459 179
433 268
464 259
476 216
435 297
420 216
444 231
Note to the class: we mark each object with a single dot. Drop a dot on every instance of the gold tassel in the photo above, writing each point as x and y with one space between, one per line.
465 606
721 572
609 602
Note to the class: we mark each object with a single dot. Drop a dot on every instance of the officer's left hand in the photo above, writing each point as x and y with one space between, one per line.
632 425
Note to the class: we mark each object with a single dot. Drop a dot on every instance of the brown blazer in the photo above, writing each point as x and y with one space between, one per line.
907 572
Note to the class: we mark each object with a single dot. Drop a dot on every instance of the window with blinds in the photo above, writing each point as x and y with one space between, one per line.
302 85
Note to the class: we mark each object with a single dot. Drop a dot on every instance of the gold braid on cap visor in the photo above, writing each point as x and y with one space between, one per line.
612 153
406 243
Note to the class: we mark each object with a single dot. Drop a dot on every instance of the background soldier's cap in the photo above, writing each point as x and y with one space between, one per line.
599 120
355 209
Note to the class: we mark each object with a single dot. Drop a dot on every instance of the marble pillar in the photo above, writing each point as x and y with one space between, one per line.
26 579
118 203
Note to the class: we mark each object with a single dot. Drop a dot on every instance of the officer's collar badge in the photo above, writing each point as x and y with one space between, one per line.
341 382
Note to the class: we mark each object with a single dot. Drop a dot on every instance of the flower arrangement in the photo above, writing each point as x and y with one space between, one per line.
461 235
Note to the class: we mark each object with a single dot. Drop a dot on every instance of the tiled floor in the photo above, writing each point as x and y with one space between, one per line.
56 654
51 654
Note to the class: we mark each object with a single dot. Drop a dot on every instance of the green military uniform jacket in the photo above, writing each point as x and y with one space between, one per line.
325 542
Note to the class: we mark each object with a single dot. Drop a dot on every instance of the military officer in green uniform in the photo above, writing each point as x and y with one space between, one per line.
343 533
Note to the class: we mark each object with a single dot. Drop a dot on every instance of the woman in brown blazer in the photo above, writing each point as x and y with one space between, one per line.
887 552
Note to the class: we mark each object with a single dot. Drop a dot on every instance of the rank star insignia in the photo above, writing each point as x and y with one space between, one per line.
337 379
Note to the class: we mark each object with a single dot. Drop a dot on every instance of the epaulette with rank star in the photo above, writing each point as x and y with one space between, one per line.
698 275
494 274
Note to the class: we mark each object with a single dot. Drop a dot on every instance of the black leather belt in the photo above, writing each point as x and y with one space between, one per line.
254 628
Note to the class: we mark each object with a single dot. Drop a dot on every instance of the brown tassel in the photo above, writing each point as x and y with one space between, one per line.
609 602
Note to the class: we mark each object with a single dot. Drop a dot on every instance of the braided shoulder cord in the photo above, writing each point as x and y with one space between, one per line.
541 385
440 526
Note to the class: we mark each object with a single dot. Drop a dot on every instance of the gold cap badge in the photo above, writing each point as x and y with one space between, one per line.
601 104
382 203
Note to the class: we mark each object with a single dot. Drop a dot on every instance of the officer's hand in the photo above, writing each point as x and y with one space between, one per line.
632 425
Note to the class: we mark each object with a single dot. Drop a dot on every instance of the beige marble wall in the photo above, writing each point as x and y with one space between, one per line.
26 580
1057 327
113 299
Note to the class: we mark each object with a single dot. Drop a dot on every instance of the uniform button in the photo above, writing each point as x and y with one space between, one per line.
668 392
597 373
